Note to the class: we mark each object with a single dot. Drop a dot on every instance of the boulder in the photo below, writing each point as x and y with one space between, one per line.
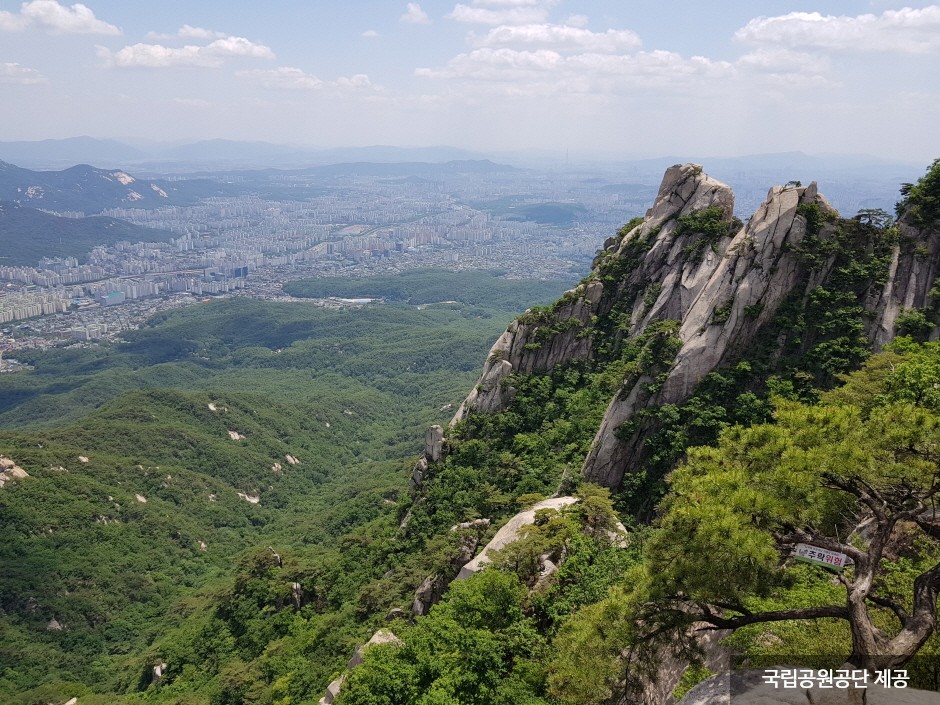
428 594
509 532
332 691
158 672
382 636
10 471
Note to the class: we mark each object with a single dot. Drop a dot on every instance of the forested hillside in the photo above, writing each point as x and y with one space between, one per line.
27 234
659 441
169 474
704 373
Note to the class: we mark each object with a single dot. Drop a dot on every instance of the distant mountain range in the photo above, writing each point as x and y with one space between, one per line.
90 190
221 155
27 234
211 155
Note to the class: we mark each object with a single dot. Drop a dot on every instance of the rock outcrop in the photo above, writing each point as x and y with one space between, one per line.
433 587
382 636
718 283
10 471
433 451
533 342
428 594
509 532
756 272
915 268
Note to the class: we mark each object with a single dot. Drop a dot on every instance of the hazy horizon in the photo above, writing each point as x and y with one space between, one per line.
593 77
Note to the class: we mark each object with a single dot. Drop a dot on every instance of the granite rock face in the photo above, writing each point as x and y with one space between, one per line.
757 271
722 289
914 269
509 532
534 342
540 341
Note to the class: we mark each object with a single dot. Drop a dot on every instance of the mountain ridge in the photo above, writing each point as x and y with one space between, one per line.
28 234
716 283
87 189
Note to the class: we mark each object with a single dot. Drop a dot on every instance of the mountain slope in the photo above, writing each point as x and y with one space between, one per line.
799 292
700 342
89 190
324 406
27 234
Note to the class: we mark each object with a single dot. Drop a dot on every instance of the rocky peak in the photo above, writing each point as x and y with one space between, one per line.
540 339
692 271
741 291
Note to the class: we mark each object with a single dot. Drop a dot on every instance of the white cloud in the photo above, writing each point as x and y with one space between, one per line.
415 15
514 3
370 34
510 15
908 30
577 21
359 80
20 75
239 46
544 59
544 72
561 36
56 19
292 78
287 77
188 32
784 61
211 55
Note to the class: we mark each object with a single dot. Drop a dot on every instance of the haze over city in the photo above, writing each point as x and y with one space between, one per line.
595 77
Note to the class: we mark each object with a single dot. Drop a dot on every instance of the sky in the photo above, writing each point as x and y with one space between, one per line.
599 78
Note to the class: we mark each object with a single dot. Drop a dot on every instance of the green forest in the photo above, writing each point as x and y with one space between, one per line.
347 393
218 510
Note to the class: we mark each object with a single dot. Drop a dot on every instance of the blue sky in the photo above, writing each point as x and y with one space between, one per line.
598 77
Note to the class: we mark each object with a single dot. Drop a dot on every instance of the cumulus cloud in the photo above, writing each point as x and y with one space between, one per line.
577 21
211 55
20 75
370 34
188 32
561 36
55 18
515 3
547 72
511 15
415 15
582 72
783 60
292 78
908 30
546 59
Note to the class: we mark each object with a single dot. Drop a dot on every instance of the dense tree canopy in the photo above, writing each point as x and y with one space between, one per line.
857 473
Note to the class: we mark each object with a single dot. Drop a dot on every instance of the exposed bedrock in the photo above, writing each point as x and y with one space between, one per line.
756 272
691 261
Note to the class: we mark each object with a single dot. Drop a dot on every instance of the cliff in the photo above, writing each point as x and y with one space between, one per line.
717 291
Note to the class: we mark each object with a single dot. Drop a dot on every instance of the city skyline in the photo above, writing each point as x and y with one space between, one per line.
594 77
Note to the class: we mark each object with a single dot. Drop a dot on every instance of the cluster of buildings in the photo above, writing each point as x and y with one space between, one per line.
251 245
